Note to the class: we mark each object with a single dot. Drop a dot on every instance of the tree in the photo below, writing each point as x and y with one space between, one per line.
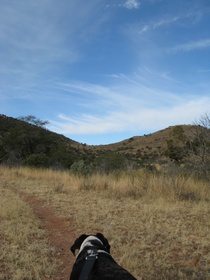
176 145
34 120
110 162
192 151
81 168
37 160
200 146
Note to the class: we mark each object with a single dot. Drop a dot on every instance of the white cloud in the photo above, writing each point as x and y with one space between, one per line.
144 29
131 4
190 46
128 4
165 21
157 24
131 104
141 119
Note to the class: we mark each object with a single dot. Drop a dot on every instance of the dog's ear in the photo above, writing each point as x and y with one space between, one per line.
104 241
78 243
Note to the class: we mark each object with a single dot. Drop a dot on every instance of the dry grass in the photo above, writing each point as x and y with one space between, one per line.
24 252
158 226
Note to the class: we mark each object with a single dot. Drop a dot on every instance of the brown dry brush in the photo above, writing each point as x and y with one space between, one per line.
158 226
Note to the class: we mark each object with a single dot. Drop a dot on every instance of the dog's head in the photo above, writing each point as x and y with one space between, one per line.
84 240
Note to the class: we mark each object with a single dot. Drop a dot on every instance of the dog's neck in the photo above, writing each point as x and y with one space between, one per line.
87 243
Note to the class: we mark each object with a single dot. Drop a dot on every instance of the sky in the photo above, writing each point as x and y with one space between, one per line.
101 71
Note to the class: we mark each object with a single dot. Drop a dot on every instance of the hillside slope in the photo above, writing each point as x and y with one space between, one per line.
21 142
24 143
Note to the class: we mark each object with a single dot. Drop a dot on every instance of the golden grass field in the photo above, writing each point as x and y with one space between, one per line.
158 226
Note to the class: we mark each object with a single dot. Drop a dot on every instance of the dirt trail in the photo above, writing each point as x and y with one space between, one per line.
60 236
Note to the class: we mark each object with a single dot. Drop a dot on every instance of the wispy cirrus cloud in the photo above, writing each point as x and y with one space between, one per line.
190 46
38 39
41 35
147 107
167 20
132 120
157 24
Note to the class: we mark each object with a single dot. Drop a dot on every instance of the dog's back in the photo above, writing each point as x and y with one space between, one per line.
106 268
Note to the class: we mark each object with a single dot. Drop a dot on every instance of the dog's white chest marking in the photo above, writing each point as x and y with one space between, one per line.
87 242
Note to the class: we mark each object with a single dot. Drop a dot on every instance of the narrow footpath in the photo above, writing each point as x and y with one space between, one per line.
60 236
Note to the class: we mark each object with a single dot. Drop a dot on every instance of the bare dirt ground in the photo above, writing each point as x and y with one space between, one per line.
60 235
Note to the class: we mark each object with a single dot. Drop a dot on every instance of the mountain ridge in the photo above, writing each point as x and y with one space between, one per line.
25 142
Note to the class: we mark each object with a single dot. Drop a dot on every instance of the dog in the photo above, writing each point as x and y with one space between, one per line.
93 261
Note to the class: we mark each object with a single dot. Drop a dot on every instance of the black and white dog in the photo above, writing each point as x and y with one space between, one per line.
94 261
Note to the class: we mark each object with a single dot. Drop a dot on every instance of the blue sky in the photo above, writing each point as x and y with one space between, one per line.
101 71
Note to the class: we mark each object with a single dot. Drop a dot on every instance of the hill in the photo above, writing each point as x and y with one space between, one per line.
25 143
28 144
150 149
